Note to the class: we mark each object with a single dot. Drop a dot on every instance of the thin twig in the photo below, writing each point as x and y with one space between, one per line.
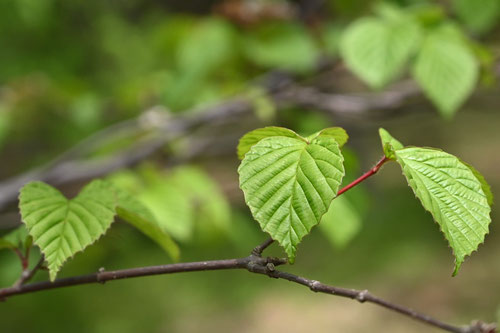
257 251
27 274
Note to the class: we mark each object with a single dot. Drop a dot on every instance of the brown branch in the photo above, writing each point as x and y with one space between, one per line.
254 264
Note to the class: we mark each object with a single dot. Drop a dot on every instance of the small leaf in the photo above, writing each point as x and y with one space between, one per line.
341 222
253 137
19 238
389 144
450 191
62 227
134 212
338 133
289 185
446 70
5 244
478 16
377 49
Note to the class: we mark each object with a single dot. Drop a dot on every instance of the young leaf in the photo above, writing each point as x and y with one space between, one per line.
338 133
252 137
62 227
478 16
17 239
389 144
289 185
341 222
134 212
450 191
446 70
5 244
377 49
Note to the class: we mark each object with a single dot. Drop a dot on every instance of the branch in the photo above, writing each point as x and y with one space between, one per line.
254 264
27 274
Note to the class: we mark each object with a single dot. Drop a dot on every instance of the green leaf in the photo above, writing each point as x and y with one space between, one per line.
171 208
484 185
134 212
253 137
5 244
338 133
289 185
18 238
62 227
282 45
341 222
478 16
450 191
389 144
206 48
377 49
446 70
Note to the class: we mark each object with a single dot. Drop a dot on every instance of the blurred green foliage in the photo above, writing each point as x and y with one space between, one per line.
71 68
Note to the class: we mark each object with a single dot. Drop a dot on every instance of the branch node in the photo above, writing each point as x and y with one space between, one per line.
361 296
98 276
314 285
270 267
481 327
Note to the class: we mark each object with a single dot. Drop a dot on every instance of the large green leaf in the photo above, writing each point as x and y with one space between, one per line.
341 222
446 70
251 138
478 16
289 185
450 191
377 49
138 215
62 227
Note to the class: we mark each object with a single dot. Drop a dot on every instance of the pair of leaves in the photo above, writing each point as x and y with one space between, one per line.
378 48
454 193
62 227
289 181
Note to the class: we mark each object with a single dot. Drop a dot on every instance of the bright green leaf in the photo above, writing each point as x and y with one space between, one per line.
253 137
62 227
338 133
377 49
450 191
289 185
341 222
389 144
479 16
446 70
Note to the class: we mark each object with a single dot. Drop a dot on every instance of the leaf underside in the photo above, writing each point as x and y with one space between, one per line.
62 227
289 185
449 190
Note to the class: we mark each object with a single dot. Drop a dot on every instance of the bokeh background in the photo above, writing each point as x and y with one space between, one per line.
136 71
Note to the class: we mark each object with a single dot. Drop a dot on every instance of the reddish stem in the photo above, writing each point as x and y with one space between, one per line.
367 174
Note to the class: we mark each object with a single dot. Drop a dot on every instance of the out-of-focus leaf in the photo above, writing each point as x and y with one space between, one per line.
289 185
206 48
18 238
446 70
377 49
282 45
135 213
341 223
62 227
478 16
